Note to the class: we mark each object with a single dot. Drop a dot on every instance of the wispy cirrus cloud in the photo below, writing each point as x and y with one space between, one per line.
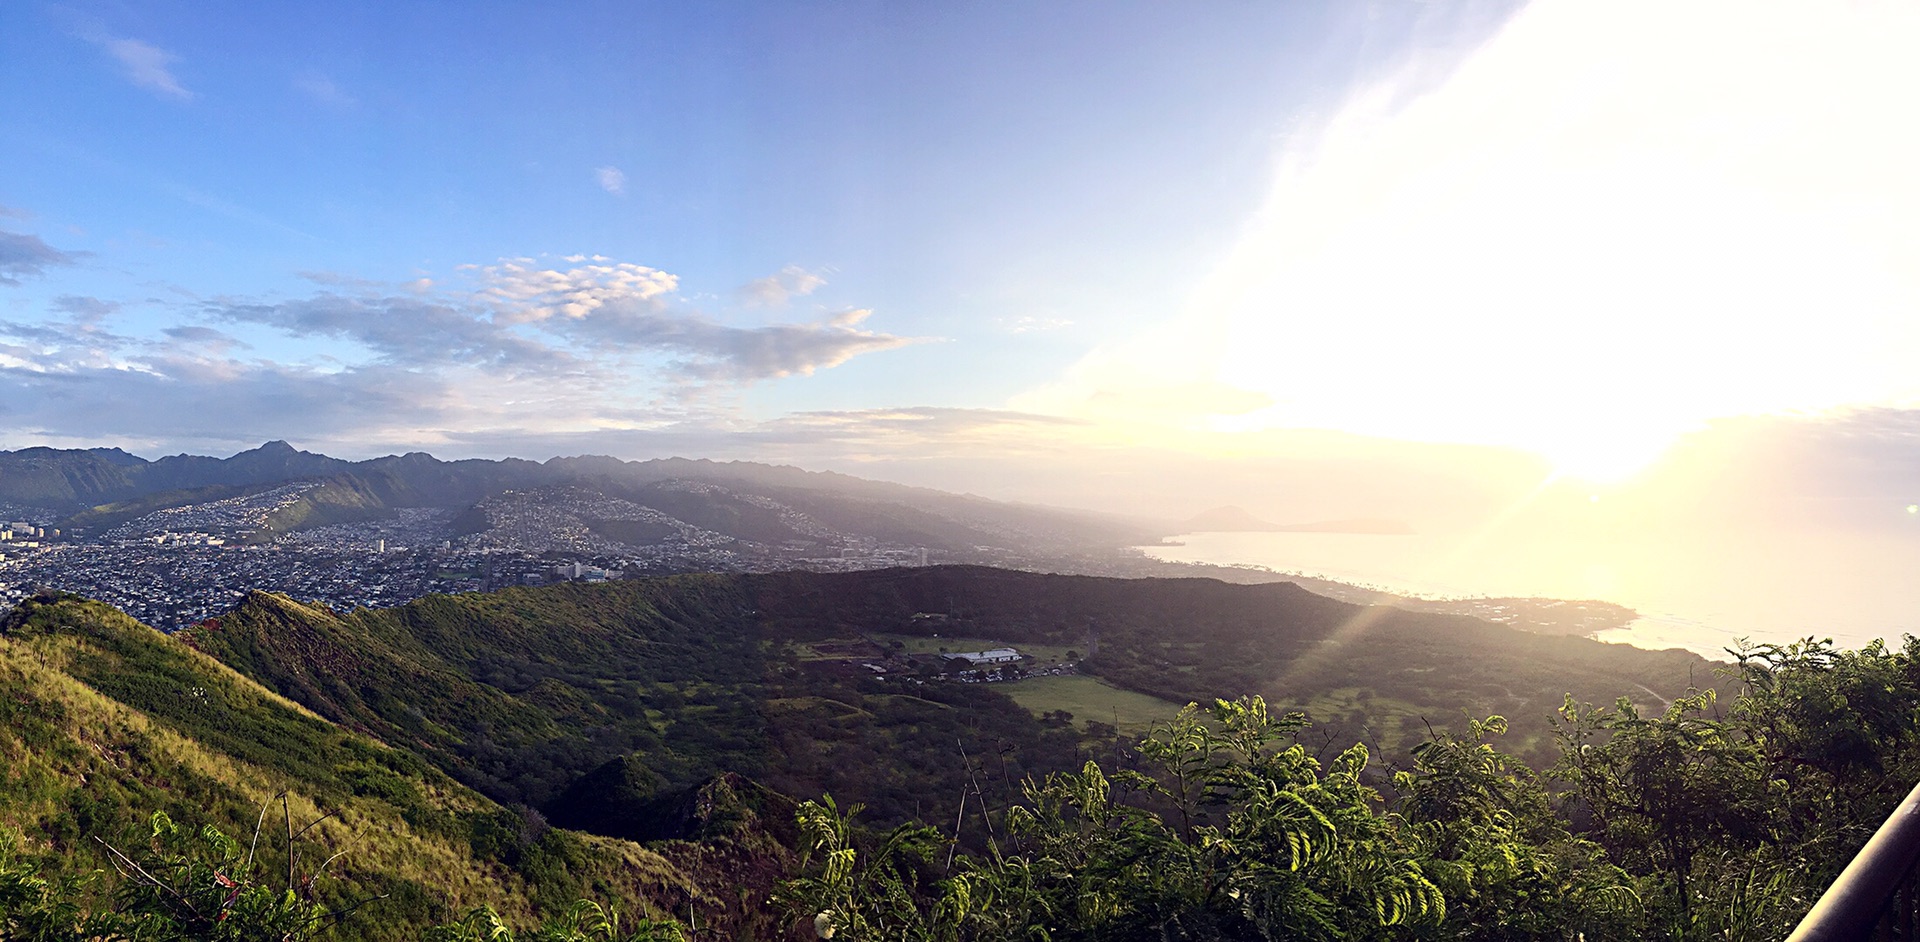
147 66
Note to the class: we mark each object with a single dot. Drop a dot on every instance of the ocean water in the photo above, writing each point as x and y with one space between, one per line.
1699 591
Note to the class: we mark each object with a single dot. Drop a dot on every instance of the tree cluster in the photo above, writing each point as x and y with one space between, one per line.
1710 820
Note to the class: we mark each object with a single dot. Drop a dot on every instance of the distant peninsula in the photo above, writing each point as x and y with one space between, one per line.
1236 520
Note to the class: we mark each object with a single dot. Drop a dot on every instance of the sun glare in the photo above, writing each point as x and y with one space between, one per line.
1605 459
1543 251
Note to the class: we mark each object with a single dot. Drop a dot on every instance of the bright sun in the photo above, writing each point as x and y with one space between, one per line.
1607 457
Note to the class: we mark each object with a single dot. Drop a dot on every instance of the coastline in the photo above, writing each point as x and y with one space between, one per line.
1581 617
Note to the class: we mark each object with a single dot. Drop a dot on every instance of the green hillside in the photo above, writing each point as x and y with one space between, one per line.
522 694
1375 674
104 721
457 748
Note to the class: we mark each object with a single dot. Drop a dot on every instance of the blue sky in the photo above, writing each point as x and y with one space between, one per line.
1003 186
1089 253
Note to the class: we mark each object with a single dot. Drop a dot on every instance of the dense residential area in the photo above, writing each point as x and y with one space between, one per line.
173 555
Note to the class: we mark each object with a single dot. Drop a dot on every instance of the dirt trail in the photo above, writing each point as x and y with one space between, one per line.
1665 704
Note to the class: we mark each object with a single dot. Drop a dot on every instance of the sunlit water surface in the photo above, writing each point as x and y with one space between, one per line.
1699 593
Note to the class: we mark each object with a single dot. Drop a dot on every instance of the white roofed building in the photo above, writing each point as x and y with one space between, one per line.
981 658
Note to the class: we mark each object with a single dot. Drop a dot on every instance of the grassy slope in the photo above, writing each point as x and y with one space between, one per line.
517 692
103 721
526 694
523 693
1091 699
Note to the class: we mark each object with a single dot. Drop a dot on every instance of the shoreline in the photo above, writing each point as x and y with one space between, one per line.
1540 615
1600 620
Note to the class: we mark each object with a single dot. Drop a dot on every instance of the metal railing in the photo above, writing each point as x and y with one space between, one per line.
1876 896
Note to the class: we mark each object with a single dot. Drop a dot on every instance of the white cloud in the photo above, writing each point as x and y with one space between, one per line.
528 292
572 348
611 179
777 289
609 324
147 66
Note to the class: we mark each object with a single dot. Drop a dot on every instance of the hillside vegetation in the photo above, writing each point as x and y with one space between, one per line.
632 708
1373 674
1707 820
440 743
104 721
524 694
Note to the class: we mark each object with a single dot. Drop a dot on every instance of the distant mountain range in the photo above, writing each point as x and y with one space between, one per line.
97 489
100 488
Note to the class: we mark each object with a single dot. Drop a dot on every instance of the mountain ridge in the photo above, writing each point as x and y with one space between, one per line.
87 487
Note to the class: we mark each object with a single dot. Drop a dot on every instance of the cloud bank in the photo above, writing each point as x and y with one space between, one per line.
585 345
